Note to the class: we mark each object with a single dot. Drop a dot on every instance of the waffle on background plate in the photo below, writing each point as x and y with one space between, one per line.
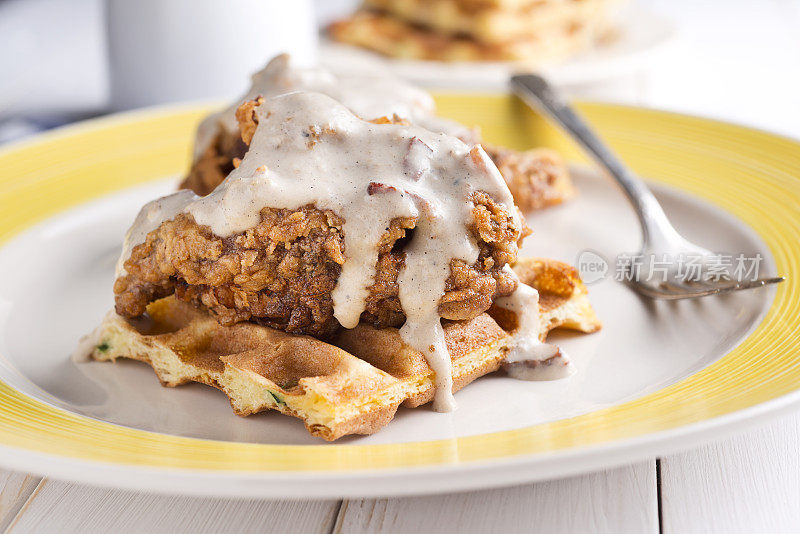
353 385
530 31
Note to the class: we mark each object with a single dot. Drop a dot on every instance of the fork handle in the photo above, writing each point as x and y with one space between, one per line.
537 93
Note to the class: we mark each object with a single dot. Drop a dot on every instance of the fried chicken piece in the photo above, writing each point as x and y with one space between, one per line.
281 273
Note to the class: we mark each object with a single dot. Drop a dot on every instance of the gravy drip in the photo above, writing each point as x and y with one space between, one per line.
309 149
369 97
529 358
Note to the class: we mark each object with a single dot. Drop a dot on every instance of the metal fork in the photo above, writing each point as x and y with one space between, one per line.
659 236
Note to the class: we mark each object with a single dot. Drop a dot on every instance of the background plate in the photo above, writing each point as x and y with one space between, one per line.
639 34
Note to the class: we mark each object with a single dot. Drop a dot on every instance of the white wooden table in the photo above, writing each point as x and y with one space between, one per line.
737 60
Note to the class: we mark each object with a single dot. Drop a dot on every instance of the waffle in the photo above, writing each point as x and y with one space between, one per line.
475 5
353 385
494 24
563 297
395 37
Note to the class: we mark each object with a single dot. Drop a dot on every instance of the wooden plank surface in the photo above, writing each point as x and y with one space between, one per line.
616 501
749 483
71 508
621 500
15 488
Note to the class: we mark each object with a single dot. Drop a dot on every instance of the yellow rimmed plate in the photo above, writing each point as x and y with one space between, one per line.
659 377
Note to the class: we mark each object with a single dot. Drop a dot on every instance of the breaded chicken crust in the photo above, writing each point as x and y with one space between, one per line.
281 273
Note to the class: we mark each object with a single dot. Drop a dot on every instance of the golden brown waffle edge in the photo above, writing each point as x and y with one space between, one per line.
351 386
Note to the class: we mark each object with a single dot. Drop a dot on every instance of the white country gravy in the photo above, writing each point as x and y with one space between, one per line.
369 97
528 358
310 149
